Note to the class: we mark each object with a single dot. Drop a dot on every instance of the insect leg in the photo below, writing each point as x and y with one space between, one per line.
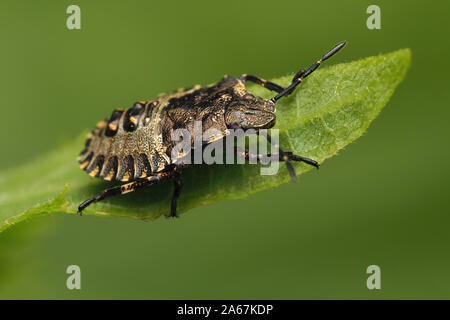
262 82
248 155
178 185
282 156
126 188
286 157
302 74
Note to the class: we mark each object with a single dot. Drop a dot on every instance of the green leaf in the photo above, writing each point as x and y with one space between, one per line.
331 108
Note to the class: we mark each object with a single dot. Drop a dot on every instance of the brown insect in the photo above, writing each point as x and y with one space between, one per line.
135 145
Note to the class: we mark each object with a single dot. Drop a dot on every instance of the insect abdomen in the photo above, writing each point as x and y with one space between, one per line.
127 146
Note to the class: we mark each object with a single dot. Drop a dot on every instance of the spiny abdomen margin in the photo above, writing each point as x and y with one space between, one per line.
127 146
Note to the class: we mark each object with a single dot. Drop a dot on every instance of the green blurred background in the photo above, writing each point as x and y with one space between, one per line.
383 200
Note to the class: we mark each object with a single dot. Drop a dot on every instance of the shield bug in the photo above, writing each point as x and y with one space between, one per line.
135 145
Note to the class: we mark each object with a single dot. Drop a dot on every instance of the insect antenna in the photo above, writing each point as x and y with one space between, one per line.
302 74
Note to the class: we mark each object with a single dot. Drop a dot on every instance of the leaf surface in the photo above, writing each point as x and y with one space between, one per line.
330 109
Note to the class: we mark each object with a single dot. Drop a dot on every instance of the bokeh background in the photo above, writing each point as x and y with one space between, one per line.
383 200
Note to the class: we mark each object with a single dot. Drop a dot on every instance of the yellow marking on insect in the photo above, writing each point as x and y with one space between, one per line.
319 61
142 102
110 175
240 89
84 165
94 172
112 127
285 158
133 120
126 189
126 177
101 124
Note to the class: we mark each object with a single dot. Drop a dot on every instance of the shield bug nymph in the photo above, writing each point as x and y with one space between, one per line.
135 145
